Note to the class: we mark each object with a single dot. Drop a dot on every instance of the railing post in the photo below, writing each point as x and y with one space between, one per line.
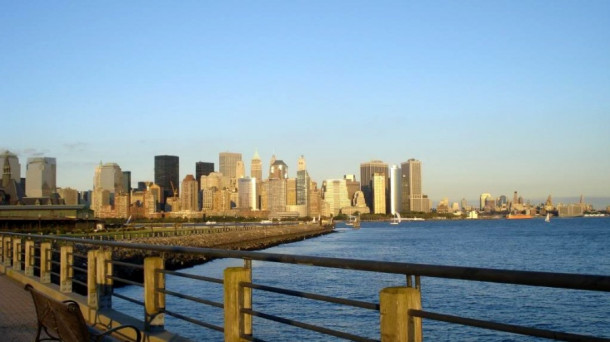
66 272
45 262
396 323
17 254
104 284
234 300
92 279
6 251
154 300
29 258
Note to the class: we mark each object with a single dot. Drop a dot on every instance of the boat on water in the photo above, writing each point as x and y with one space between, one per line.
547 218
518 216
396 219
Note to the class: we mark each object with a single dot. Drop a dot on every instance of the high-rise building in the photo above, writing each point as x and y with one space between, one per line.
301 164
13 161
167 171
291 191
366 180
256 167
69 195
41 176
203 169
189 196
228 164
276 195
127 181
246 188
278 170
335 195
484 197
240 169
395 190
107 183
379 191
413 198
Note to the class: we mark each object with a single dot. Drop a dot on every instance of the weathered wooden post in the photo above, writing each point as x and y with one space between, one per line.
17 254
234 300
92 300
154 300
29 258
396 323
45 262
104 284
66 272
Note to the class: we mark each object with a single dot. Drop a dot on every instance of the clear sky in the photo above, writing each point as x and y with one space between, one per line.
491 96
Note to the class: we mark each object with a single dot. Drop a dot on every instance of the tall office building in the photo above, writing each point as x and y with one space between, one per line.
203 169
335 195
127 181
379 192
278 169
276 195
13 161
107 184
367 170
240 169
395 190
228 164
189 196
256 167
40 177
483 199
413 198
246 187
167 171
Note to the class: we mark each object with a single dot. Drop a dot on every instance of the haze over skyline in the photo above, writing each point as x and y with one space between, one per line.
490 96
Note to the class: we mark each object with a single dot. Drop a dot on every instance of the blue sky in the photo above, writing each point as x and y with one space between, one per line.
492 96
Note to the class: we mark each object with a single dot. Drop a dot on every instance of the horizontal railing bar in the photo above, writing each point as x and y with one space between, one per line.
129 299
84 270
191 298
343 301
79 282
125 281
322 330
510 328
80 255
55 262
194 321
126 264
532 278
192 276
55 274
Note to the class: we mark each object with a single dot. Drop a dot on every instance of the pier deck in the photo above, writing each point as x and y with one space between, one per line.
17 313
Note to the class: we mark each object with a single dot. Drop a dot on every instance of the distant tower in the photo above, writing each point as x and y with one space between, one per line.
367 170
515 198
13 161
395 190
189 196
379 193
302 183
483 199
278 169
203 169
301 164
167 171
256 167
413 198
246 193
240 169
107 184
228 164
127 181
40 177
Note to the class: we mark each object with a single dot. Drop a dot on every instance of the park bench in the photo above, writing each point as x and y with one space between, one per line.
63 321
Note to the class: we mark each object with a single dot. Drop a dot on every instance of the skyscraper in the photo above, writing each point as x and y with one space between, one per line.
395 190
335 195
189 197
40 178
240 169
203 169
379 192
366 180
247 193
256 167
127 181
413 198
14 164
107 184
167 171
228 163
278 170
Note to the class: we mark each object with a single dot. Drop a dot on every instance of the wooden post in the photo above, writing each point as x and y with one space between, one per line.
92 301
396 323
66 272
29 258
2 249
154 300
17 254
234 301
45 262
6 251
104 284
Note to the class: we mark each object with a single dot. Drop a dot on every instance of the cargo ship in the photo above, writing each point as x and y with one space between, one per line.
518 216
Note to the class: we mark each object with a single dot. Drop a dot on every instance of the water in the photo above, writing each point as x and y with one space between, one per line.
564 245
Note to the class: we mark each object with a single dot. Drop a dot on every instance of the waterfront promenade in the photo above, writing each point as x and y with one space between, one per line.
17 313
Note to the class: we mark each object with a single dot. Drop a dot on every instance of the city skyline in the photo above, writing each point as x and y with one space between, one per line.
490 96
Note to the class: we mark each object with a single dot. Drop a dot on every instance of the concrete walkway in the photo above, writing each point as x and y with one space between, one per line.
17 313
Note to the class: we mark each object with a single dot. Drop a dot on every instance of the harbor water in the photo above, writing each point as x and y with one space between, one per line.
578 245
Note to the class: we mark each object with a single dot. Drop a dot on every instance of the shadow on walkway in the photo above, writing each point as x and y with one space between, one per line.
17 313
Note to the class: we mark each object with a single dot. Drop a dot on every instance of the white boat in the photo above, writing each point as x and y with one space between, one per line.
396 219
547 218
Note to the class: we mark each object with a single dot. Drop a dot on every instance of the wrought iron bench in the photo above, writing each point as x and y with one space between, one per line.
63 321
